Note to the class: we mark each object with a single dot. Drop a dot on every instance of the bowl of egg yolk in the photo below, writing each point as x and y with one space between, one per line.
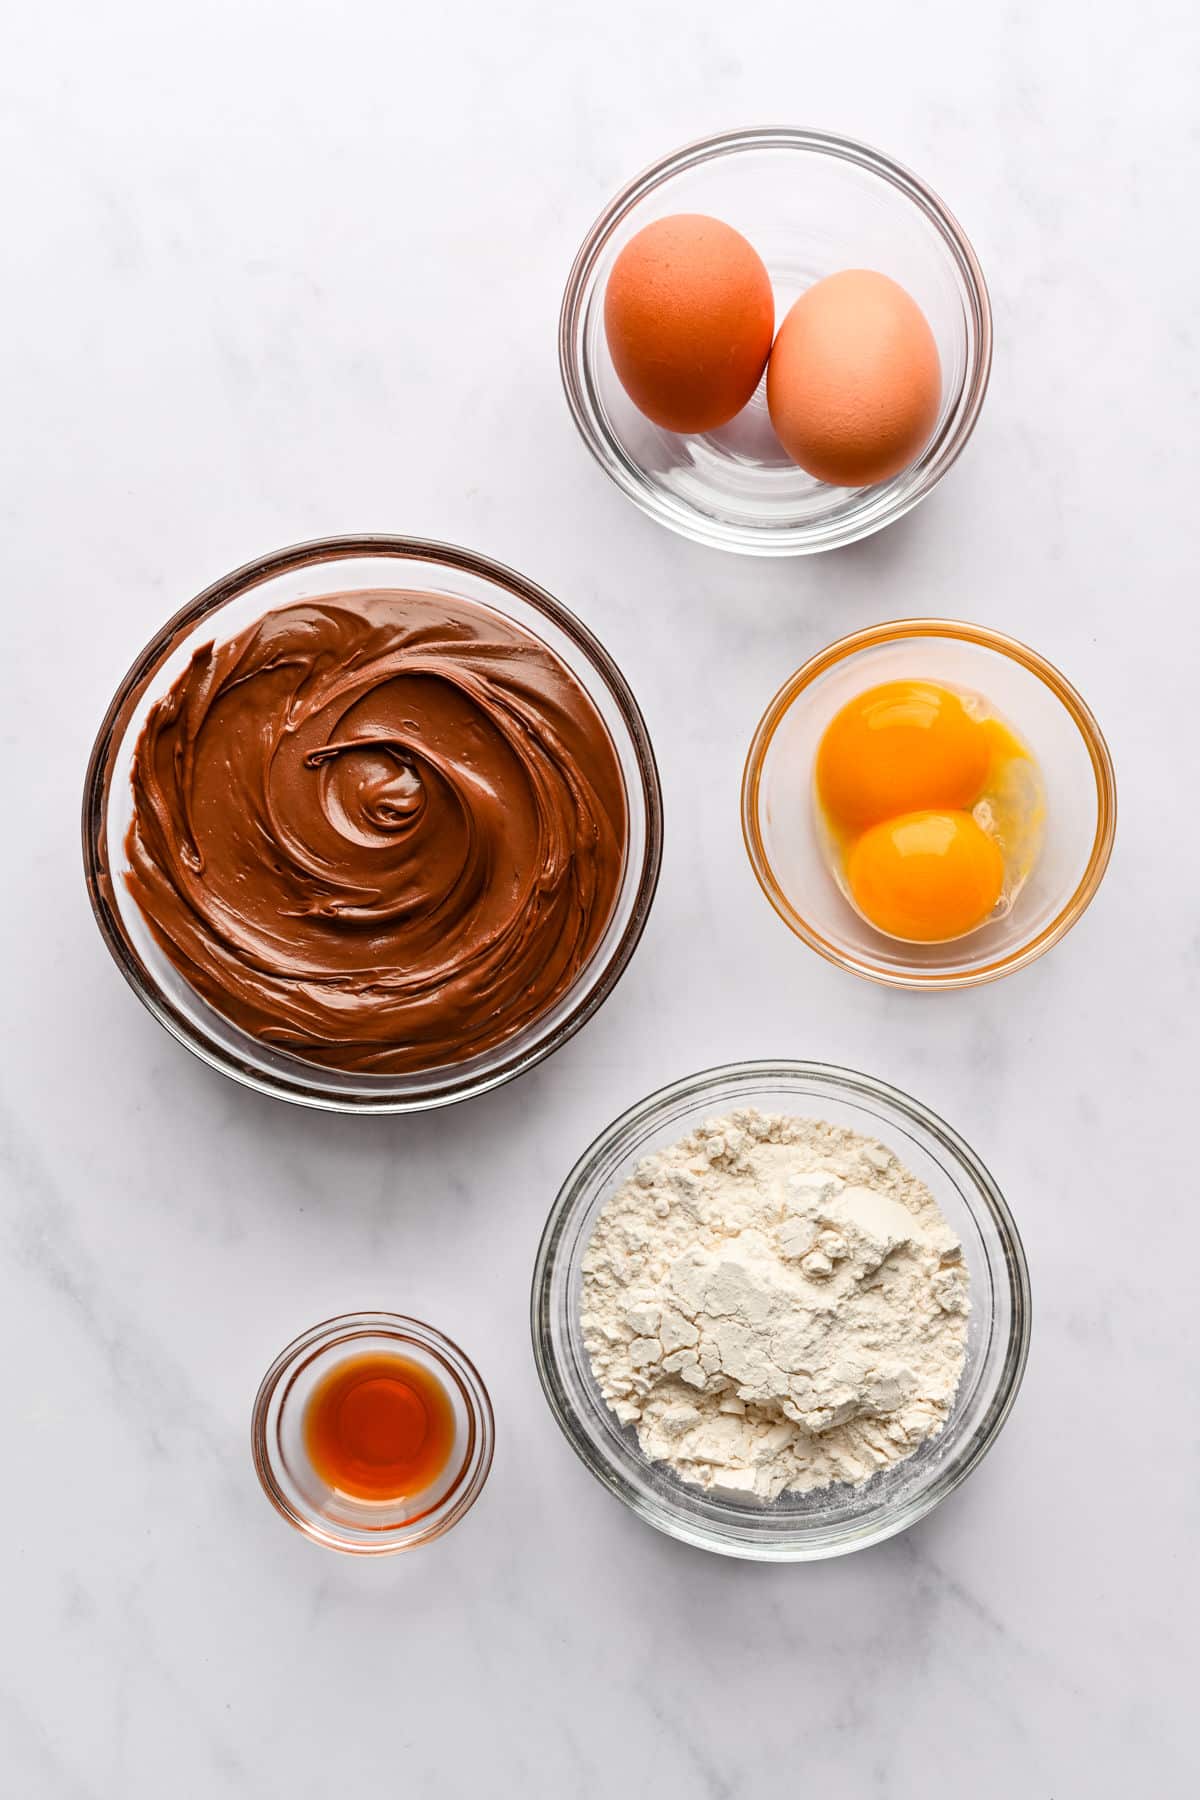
929 804
716 310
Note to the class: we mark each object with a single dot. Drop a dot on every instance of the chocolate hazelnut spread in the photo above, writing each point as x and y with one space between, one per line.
382 831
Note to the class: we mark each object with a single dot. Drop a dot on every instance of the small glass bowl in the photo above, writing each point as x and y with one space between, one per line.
780 825
348 565
811 204
334 1519
828 1521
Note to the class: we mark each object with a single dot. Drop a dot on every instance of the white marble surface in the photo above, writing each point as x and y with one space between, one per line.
273 269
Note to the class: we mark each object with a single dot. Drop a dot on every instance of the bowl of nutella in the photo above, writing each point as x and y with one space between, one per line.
373 823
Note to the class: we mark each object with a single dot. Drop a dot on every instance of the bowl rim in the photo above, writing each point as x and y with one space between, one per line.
986 638
459 1499
687 520
838 1081
98 778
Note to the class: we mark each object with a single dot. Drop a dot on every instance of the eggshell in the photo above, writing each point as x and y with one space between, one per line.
854 382
689 314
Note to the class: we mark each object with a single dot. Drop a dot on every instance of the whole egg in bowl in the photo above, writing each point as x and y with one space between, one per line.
854 382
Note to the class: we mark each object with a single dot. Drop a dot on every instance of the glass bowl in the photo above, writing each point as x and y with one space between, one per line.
811 204
337 1520
351 564
828 1521
780 826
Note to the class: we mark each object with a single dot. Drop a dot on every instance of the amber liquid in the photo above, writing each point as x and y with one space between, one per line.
379 1427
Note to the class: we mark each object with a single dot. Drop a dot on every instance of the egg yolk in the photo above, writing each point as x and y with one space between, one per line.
927 876
895 748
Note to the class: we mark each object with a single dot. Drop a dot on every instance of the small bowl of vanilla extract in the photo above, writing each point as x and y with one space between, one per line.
372 1433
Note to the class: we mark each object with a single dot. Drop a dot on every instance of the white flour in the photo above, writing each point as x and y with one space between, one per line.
775 1303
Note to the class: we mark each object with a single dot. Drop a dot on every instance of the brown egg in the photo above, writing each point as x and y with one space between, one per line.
854 382
689 313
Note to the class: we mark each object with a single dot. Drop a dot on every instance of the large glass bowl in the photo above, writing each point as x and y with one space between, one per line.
347 565
828 1521
811 204
779 820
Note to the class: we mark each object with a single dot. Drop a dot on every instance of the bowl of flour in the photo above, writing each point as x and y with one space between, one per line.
780 1310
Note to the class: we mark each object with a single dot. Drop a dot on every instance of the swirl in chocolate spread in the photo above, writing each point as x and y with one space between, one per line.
381 831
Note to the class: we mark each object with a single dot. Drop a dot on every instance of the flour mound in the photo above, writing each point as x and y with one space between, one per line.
775 1303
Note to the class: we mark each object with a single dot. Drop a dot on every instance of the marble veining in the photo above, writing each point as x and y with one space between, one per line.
276 270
